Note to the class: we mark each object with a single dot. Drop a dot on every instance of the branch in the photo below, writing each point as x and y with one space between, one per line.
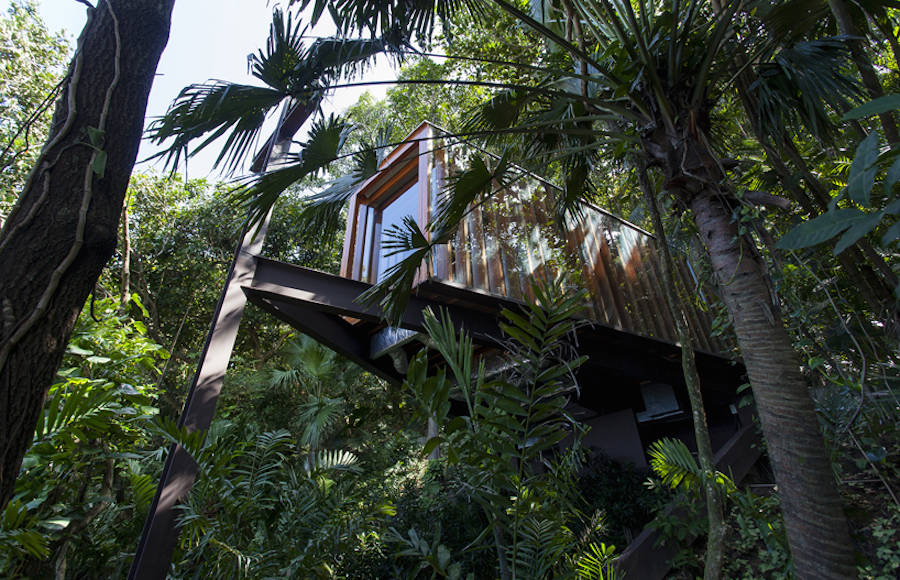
762 198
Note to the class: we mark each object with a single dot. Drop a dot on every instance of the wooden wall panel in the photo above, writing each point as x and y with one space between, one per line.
506 244
618 264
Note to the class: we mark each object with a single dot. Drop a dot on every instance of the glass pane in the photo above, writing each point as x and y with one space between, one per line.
406 204
367 244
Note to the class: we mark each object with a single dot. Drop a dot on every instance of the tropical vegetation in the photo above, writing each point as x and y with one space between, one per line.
759 137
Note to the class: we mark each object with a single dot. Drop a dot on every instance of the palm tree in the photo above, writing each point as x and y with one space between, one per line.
296 75
311 368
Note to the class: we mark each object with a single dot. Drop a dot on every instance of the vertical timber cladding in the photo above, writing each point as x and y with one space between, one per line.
509 241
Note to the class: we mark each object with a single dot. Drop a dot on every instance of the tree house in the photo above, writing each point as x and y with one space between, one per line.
632 391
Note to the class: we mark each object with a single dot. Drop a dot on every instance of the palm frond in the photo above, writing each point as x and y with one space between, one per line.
329 59
501 111
323 211
143 486
78 405
401 20
333 460
285 378
465 189
455 346
19 531
319 415
673 462
324 144
260 465
214 109
791 20
307 356
276 66
596 563
392 292
193 442
799 86
289 69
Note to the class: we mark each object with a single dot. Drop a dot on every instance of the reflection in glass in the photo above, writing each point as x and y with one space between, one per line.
406 204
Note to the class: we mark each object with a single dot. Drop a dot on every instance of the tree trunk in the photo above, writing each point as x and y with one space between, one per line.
816 525
866 70
712 562
886 27
63 229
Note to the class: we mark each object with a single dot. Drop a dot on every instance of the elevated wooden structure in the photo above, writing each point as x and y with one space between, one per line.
632 389
503 245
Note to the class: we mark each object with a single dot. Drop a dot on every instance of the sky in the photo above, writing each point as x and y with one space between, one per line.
210 39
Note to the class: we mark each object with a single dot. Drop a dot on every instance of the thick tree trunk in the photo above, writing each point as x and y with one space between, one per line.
63 229
816 525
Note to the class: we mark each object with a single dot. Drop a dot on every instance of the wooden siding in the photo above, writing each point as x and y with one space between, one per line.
511 241
505 245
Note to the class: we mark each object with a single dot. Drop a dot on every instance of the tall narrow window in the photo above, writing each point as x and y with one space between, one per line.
392 214
366 266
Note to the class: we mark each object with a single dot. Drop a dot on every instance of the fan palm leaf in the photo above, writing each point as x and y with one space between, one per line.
675 465
334 460
319 415
289 69
212 110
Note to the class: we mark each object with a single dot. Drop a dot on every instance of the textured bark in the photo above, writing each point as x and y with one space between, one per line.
817 529
63 229
816 525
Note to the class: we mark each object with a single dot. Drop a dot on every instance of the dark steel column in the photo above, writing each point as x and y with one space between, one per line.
157 544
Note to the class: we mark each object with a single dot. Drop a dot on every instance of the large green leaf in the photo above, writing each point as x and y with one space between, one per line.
892 177
891 235
863 170
877 106
859 229
820 229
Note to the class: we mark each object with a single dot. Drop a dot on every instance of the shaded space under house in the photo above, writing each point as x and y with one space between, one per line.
632 390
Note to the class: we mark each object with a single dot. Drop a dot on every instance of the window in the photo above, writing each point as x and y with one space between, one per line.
374 221
389 216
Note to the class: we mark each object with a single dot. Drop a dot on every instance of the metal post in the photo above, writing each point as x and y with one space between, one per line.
157 544
160 534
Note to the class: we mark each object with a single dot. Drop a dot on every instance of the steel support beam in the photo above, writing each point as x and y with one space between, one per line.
154 552
335 295
327 330
157 544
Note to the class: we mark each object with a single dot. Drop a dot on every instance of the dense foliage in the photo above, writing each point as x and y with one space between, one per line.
32 63
315 468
